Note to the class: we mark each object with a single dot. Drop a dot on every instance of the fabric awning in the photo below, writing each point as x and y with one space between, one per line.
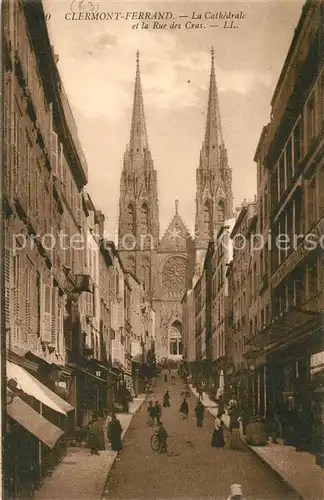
33 422
30 385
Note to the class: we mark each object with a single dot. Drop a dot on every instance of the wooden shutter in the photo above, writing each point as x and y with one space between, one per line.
28 319
60 329
61 162
46 313
16 287
54 151
310 202
8 277
54 331
321 184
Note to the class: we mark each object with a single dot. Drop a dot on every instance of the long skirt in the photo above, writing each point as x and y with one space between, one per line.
235 439
116 443
218 439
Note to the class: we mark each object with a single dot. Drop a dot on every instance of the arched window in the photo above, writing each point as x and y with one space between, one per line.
220 212
144 219
208 220
131 219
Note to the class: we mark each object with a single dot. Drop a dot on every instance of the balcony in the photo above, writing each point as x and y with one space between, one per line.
288 326
297 255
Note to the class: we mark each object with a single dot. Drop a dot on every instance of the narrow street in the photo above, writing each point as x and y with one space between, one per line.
192 469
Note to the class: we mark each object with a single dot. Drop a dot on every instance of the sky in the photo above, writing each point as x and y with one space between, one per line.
97 63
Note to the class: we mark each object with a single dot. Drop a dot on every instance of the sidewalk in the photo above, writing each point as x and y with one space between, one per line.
83 476
298 469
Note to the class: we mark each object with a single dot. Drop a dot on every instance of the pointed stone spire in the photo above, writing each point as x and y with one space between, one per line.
138 135
213 133
176 206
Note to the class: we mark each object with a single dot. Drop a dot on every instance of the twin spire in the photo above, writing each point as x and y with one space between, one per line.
213 133
138 135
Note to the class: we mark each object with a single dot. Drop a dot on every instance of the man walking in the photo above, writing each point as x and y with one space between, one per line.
199 410
163 438
157 412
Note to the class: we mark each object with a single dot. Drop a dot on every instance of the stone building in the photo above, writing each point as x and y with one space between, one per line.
290 155
164 266
244 280
214 198
45 173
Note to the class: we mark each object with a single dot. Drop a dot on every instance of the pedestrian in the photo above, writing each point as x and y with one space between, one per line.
166 399
157 412
184 409
218 434
103 430
200 392
163 438
114 433
150 411
235 429
94 431
199 410
236 492
271 422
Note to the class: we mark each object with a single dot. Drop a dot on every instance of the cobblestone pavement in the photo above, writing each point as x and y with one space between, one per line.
192 469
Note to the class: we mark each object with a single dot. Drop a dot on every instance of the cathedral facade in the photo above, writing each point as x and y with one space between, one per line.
167 265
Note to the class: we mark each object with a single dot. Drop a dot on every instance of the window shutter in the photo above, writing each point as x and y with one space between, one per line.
28 320
54 149
54 330
61 162
321 191
8 277
60 330
16 287
47 313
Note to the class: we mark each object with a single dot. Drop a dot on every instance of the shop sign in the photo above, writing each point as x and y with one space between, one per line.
317 359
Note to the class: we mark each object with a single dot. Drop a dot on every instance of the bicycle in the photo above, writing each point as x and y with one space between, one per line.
155 441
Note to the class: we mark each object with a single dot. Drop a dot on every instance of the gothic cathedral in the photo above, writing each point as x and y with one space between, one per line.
166 266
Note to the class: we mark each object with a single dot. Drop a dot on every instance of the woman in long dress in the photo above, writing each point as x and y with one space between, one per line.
114 433
218 434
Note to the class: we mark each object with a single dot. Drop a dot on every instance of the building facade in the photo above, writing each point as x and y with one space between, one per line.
290 155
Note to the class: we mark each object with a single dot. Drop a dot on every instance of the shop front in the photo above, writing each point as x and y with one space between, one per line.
37 423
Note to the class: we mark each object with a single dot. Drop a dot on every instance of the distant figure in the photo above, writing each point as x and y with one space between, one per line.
94 433
271 422
236 492
200 392
151 413
199 410
218 434
114 433
157 412
163 438
166 399
184 409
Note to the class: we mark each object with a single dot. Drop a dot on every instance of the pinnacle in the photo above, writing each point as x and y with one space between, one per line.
138 135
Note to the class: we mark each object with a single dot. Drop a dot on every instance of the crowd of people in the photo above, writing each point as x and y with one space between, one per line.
154 415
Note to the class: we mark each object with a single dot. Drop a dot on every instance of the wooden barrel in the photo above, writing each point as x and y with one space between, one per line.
255 434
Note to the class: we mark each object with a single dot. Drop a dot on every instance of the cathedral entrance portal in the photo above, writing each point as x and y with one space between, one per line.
175 340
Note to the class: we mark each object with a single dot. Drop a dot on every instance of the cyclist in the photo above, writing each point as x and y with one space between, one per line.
163 438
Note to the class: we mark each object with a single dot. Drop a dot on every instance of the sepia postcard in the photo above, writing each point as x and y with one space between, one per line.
162 257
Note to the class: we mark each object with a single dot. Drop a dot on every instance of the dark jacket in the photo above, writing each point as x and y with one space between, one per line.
184 408
199 410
